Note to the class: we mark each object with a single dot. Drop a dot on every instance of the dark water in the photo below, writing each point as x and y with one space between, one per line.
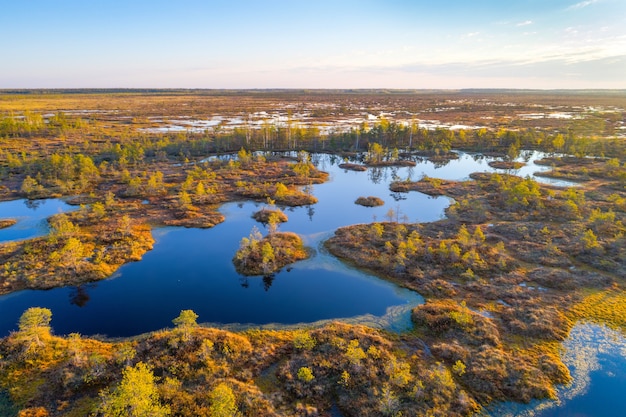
192 268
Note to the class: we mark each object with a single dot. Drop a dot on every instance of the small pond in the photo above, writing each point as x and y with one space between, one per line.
192 268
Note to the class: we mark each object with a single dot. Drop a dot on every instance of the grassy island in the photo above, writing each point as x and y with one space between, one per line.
4 223
353 167
369 201
266 255
266 215
438 156
506 164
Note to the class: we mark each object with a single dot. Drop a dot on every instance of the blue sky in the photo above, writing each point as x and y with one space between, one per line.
313 44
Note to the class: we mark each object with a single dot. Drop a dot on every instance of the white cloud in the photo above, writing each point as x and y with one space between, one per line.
582 4
525 23
470 35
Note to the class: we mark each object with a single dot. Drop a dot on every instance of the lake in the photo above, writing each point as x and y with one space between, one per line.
192 268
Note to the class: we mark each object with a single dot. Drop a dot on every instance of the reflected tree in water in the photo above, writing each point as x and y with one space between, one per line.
79 296
398 196
268 280
375 175
33 204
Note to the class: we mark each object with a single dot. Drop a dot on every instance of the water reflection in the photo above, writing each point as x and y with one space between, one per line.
267 281
79 296
310 212
375 174
33 204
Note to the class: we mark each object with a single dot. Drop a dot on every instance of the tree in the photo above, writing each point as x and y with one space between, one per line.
70 255
34 317
244 156
61 226
478 236
558 142
30 187
75 349
589 239
267 252
388 402
223 402
375 152
281 190
377 230
513 152
155 184
302 339
459 368
399 372
354 353
125 226
305 374
34 328
109 199
35 320
135 396
463 236
185 322
98 209
272 223
184 200
303 167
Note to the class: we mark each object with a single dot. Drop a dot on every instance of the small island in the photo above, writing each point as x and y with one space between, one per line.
269 216
438 157
506 164
267 255
4 223
369 201
353 167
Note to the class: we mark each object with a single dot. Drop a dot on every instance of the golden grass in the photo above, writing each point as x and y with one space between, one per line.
604 307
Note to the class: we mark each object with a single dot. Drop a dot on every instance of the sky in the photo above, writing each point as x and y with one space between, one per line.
242 44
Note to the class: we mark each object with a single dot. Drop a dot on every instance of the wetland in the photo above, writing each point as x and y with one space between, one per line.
129 241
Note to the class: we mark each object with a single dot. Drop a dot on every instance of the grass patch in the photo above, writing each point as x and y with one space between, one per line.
369 201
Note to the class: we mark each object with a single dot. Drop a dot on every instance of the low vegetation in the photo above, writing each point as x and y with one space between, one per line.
506 164
505 276
114 223
270 217
78 249
191 370
369 201
353 167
